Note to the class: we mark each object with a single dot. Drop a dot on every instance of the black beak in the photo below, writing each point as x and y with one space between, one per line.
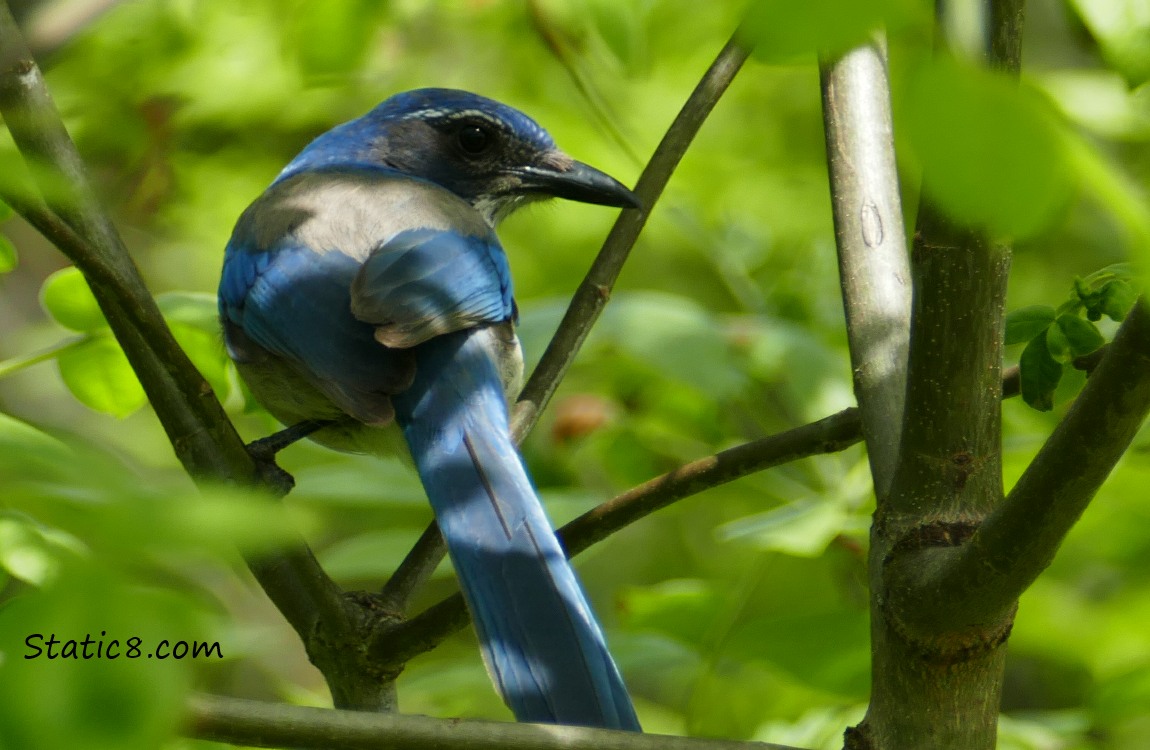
576 181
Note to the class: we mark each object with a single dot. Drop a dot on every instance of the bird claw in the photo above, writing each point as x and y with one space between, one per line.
264 450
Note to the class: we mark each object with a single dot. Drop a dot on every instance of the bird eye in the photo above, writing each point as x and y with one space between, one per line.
473 140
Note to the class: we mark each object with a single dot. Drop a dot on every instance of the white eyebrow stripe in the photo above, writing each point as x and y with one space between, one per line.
453 114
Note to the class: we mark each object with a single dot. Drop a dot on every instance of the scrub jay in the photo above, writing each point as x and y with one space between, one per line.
367 286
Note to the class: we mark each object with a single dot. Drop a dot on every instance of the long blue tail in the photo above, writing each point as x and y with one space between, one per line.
539 637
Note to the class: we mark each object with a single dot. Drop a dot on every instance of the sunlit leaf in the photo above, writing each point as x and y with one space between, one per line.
207 354
66 297
199 309
991 149
97 703
332 38
24 551
1122 28
802 528
99 376
785 30
8 255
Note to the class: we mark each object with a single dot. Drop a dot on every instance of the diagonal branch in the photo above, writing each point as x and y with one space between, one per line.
396 644
257 724
873 267
983 579
201 434
593 293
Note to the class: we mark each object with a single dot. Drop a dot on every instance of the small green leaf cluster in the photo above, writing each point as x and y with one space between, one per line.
93 365
1055 337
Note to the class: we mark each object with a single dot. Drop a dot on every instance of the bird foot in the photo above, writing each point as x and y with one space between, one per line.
264 450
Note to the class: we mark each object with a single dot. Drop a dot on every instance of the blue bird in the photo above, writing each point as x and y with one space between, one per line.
366 285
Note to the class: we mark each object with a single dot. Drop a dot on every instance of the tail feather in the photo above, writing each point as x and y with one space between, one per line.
540 640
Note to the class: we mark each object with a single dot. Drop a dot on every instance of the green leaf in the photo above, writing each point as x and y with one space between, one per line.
331 38
1039 372
204 349
826 649
96 703
25 551
1118 297
784 30
803 528
8 255
66 297
1082 336
99 376
621 29
1122 28
1058 345
1025 323
5 211
992 151
673 335
372 555
680 607
199 309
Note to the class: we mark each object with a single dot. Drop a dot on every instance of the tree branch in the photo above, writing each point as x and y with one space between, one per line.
194 420
873 266
982 579
941 684
1004 30
397 644
257 724
202 437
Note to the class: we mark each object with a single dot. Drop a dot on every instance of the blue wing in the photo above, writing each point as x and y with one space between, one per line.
424 283
291 304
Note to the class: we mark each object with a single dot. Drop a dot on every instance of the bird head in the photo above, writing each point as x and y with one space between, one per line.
492 156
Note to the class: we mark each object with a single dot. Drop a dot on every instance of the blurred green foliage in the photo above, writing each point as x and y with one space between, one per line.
741 612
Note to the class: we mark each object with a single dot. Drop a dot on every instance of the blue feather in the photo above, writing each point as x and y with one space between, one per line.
539 636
